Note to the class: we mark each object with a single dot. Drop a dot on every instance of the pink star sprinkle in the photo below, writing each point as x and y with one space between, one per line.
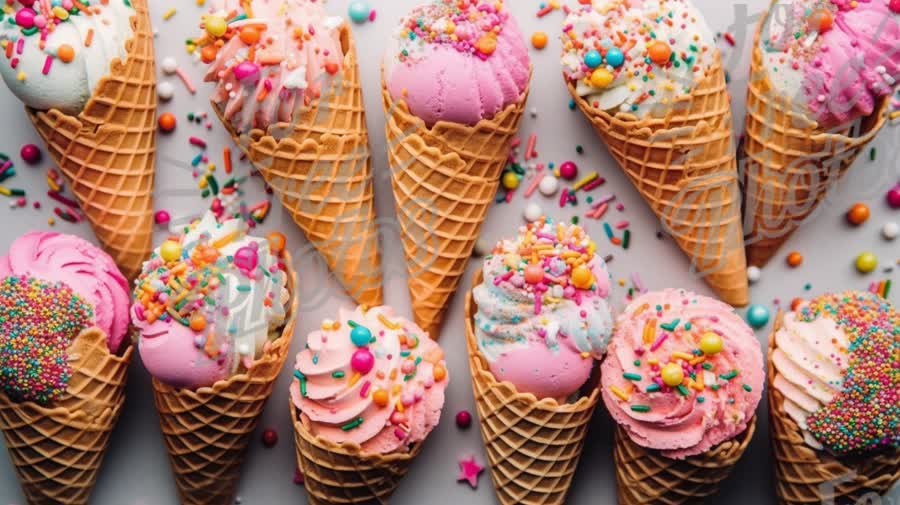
469 470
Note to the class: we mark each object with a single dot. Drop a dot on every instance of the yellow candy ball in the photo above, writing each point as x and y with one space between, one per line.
582 277
510 180
601 78
170 251
216 26
710 343
672 375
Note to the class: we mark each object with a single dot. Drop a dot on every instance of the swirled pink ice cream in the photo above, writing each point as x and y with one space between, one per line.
543 317
683 374
459 61
835 58
79 265
269 58
372 379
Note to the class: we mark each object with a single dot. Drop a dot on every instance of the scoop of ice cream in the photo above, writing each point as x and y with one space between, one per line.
89 272
57 54
684 373
372 379
836 366
636 56
207 303
38 321
832 58
543 315
457 61
269 58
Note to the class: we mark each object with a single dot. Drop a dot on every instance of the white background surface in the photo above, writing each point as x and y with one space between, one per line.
136 470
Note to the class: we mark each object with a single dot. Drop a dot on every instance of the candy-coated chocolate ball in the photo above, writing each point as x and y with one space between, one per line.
162 217
360 336
363 361
866 262
510 180
30 153
659 52
568 170
601 78
757 316
593 59
711 343
359 11
534 274
549 185
269 438
794 259
893 196
754 274
381 398
198 323
582 278
463 419
167 122
439 373
277 242
539 40
672 375
614 57
170 251
216 26
858 214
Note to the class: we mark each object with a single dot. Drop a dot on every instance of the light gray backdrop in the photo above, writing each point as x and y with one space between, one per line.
136 470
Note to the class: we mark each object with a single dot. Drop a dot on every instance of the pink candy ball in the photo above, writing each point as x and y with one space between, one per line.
893 196
463 419
30 153
25 18
568 170
162 217
246 70
363 361
894 5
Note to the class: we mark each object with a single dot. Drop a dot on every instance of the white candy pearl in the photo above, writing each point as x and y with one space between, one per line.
533 212
754 274
890 231
169 66
165 90
549 185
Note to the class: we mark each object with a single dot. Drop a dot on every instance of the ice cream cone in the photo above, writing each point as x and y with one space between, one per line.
207 431
445 179
107 152
320 168
340 474
791 163
684 167
533 446
57 450
646 476
806 476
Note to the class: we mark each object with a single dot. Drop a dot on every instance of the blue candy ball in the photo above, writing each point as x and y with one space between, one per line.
360 336
593 59
359 11
757 316
614 57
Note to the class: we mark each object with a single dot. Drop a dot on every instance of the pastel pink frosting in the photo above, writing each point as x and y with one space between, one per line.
88 271
679 424
167 350
331 394
440 83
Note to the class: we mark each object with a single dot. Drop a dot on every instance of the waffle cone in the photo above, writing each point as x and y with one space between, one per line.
791 163
804 475
684 167
57 450
533 446
107 152
445 179
207 431
320 169
341 474
646 476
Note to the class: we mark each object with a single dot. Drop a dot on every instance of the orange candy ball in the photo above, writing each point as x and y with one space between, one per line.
65 53
821 20
208 54
439 372
381 398
249 35
277 241
332 68
198 323
659 52
539 40
167 122
858 214
487 45
534 274
796 303
794 259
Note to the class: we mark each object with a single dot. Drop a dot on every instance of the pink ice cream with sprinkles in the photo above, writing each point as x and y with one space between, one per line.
543 318
372 379
683 374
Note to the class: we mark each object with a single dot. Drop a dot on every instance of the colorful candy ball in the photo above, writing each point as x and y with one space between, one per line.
601 78
167 122
269 438
614 57
794 259
359 11
711 343
162 217
659 52
568 170
890 231
754 274
360 336
539 40
165 90
672 375
363 361
463 419
893 196
533 212
549 185
757 316
858 214
170 251
866 263
593 59
31 154
510 180
216 26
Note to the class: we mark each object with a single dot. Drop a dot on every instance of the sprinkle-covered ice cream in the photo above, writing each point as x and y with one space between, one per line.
370 378
457 60
543 315
207 303
269 58
56 52
836 364
683 374
832 58
636 56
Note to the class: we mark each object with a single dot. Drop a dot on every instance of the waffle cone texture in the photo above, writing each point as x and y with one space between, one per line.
319 166
107 152
342 474
445 179
57 449
207 431
533 446
791 163
684 167
804 475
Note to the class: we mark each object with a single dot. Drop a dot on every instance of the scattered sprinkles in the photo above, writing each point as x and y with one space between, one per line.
467 26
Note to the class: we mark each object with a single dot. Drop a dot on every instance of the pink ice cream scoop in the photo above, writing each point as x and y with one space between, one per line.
88 271
457 61
370 379
683 374
841 56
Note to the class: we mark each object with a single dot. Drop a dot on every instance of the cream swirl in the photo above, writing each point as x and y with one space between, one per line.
683 374
372 379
